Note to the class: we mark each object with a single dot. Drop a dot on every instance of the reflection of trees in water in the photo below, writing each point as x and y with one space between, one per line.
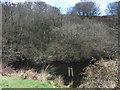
65 69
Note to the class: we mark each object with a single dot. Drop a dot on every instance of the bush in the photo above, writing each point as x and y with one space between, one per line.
103 74
73 42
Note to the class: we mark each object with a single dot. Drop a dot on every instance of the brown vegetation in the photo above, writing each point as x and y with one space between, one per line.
103 74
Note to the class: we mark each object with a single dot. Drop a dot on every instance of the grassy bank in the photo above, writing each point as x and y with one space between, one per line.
15 82
10 78
102 74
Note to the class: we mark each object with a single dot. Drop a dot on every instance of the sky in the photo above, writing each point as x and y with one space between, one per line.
63 5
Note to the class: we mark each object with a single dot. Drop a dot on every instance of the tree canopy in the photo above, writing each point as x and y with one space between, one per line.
38 32
85 9
112 8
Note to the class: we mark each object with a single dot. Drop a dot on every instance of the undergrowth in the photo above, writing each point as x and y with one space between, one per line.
102 74
29 79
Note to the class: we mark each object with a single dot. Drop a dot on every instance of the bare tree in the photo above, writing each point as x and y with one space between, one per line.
112 8
85 9
28 29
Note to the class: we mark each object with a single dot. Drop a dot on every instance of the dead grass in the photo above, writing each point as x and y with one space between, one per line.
103 74
43 76
7 71
29 74
59 81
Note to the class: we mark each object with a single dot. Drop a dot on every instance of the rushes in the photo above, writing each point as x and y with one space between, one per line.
59 81
43 76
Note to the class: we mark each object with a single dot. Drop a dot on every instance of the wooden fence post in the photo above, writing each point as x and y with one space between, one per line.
68 71
72 72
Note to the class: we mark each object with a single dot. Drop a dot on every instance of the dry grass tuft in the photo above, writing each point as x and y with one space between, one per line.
43 76
59 82
29 74
7 71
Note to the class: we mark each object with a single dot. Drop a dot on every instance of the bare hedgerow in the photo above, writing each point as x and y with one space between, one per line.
81 41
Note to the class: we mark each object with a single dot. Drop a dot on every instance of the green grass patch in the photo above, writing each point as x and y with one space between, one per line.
15 82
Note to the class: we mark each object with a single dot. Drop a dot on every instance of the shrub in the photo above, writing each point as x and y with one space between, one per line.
103 74
73 42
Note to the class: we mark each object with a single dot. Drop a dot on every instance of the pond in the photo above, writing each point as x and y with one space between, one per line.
70 71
